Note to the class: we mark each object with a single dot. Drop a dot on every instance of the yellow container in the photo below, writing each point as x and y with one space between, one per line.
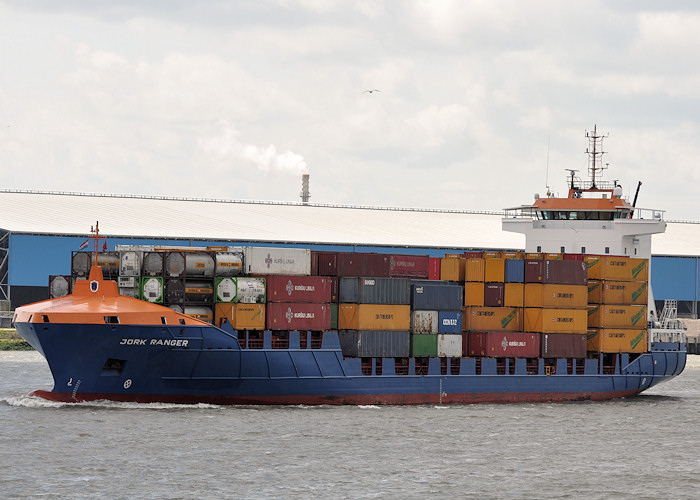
452 268
473 293
617 292
491 255
554 256
555 296
539 320
617 316
513 255
494 270
241 316
534 256
374 317
616 268
513 294
617 340
484 319
474 270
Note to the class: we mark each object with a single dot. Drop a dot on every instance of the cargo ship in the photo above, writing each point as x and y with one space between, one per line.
570 318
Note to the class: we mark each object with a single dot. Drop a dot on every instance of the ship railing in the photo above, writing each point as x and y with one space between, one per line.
530 212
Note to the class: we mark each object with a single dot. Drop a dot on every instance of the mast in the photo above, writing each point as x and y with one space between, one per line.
96 238
595 154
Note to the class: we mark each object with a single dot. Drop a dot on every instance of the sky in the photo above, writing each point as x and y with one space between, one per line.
478 104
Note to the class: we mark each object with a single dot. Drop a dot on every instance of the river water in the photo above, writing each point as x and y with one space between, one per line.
643 447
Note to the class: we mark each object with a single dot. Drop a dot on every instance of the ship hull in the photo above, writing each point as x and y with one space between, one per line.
205 364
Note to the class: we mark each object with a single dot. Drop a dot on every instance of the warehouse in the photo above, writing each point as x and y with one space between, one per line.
40 230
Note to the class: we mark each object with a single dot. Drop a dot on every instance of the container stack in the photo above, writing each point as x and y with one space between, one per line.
617 310
436 319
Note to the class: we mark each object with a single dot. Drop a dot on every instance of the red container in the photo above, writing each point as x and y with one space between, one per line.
334 288
533 270
309 289
409 266
324 263
363 264
574 256
473 255
563 345
297 316
434 268
560 272
494 294
504 344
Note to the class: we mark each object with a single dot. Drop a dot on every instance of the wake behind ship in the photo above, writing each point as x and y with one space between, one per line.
571 318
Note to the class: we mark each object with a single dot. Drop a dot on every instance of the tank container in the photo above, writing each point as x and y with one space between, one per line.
174 290
450 322
291 288
375 344
174 264
250 290
263 260
152 289
59 286
199 291
297 316
199 264
424 322
202 313
449 345
130 263
374 290
152 263
229 264
562 345
81 262
504 344
437 297
226 289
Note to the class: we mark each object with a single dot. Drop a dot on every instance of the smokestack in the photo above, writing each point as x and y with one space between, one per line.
305 195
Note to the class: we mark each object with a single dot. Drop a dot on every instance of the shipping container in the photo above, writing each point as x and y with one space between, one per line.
616 268
374 317
555 296
494 270
174 264
241 316
534 256
81 263
130 263
452 268
128 282
450 321
375 344
424 322
152 289
617 316
334 316
313 289
612 340
500 344
374 290
225 289
473 255
59 285
410 266
199 291
538 320
574 256
199 264
554 256
474 270
514 271
363 264
130 292
202 313
491 255
229 263
563 272
153 263
449 345
424 346
513 255
563 345
250 290
434 268
173 289
297 316
493 293
268 260
324 263
474 293
513 294
441 296
617 292
492 318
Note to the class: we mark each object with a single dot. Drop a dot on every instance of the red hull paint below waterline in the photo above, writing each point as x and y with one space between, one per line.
354 399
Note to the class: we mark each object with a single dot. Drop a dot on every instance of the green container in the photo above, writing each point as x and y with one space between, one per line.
334 316
423 345
152 289
225 289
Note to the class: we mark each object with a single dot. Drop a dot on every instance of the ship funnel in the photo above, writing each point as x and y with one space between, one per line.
305 195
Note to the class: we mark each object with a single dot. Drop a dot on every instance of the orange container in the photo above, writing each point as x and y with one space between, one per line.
539 320
492 318
495 270
513 295
513 255
491 255
554 256
474 270
452 268
241 316
617 340
473 293
555 296
609 267
374 317
617 316
534 256
617 292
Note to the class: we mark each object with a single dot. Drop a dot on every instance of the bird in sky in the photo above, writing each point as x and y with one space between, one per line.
373 90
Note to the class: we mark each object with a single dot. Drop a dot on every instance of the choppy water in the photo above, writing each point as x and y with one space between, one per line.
643 447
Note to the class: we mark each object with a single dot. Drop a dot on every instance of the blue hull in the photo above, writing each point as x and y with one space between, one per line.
193 364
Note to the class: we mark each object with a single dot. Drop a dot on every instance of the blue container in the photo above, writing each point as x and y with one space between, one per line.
374 343
440 297
374 290
515 271
450 322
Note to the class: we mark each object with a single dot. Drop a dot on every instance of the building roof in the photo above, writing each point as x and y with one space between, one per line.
56 213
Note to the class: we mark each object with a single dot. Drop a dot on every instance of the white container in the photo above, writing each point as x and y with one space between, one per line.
449 345
200 312
226 289
127 282
130 263
152 289
424 322
250 290
129 292
263 260
59 286
229 263
199 264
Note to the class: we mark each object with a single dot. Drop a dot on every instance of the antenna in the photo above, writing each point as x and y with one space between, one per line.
573 173
546 179
595 153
